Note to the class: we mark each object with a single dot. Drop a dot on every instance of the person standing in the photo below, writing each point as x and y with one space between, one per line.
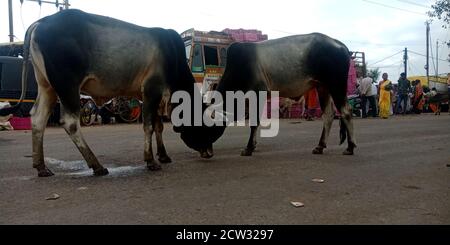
367 94
418 97
385 97
312 103
434 103
404 87
352 76
375 95
448 88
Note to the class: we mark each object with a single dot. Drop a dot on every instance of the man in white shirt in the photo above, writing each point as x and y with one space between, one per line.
367 94
375 96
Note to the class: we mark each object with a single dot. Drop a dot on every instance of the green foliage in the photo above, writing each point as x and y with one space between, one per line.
374 74
441 11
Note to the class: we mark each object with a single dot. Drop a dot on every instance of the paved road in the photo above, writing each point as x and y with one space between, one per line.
398 176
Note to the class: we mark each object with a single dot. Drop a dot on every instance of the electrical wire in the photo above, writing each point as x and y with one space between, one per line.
384 66
379 44
416 53
392 7
411 64
386 58
359 42
21 17
17 38
413 3
432 58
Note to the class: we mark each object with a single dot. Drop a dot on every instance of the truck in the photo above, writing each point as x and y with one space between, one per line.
206 52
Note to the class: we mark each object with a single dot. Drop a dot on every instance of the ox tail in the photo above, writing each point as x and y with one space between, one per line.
25 64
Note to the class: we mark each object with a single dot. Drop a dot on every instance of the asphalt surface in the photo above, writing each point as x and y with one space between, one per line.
397 176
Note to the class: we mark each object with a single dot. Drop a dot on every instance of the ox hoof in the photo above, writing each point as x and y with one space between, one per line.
247 153
164 159
206 155
154 167
45 173
348 152
318 151
101 172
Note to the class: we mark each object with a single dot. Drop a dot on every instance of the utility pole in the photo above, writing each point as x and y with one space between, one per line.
405 61
437 59
11 24
10 12
427 66
66 5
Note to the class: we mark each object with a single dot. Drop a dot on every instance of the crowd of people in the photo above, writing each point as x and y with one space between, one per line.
378 99
406 97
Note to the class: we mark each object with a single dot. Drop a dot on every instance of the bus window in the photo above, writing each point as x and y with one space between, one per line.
223 56
211 57
188 52
197 59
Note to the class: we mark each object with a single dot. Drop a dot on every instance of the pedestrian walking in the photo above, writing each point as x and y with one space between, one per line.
404 87
367 95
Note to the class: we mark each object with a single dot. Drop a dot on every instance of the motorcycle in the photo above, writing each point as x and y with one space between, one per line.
355 102
122 109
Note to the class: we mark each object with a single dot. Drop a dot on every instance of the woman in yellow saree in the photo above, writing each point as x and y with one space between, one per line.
385 97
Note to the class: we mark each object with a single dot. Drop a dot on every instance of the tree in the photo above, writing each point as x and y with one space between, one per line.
374 74
441 11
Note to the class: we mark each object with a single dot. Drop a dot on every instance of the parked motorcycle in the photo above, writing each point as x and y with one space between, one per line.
122 109
355 103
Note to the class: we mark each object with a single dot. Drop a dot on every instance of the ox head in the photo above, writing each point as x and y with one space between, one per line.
201 138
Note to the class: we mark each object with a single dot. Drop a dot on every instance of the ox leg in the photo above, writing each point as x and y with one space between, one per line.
161 149
150 112
71 124
327 117
40 113
251 145
347 128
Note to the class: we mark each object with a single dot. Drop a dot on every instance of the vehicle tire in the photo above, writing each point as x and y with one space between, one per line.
129 111
88 113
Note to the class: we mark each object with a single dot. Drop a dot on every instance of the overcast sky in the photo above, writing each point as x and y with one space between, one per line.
380 28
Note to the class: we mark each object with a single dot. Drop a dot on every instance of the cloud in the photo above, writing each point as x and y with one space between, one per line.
377 30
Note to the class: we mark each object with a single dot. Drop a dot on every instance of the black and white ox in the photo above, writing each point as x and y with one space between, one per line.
74 51
291 65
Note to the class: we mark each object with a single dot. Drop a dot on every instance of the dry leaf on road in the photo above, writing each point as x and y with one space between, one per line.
53 197
297 204
318 180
